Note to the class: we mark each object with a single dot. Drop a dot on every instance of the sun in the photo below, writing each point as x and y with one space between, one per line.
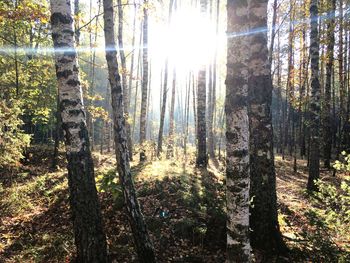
188 41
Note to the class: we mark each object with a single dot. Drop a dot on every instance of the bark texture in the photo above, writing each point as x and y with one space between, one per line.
237 134
90 239
314 161
263 220
142 240
77 30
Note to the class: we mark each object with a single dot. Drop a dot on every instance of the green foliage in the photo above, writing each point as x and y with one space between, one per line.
336 202
27 71
12 140
343 165
107 181
330 215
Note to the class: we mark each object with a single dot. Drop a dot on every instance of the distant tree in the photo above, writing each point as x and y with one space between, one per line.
237 133
90 239
170 149
327 115
314 162
212 88
131 76
202 159
165 93
142 240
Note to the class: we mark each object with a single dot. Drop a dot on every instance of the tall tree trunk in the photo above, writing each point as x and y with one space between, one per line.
170 150
279 98
202 159
303 83
273 31
142 240
346 125
126 98
237 134
90 239
301 88
290 84
211 117
165 93
347 73
263 220
327 117
102 132
187 107
194 107
144 84
133 53
149 108
57 135
210 101
314 167
334 123
76 22
341 77
131 133
136 87
163 108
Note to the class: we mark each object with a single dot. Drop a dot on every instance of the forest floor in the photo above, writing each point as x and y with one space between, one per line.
184 208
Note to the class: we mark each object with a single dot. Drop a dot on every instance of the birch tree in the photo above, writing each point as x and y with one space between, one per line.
90 239
263 220
142 240
237 133
144 83
124 72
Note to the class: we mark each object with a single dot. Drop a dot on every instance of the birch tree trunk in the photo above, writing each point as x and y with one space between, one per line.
263 220
237 134
144 85
77 30
126 98
131 76
314 162
90 239
142 240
